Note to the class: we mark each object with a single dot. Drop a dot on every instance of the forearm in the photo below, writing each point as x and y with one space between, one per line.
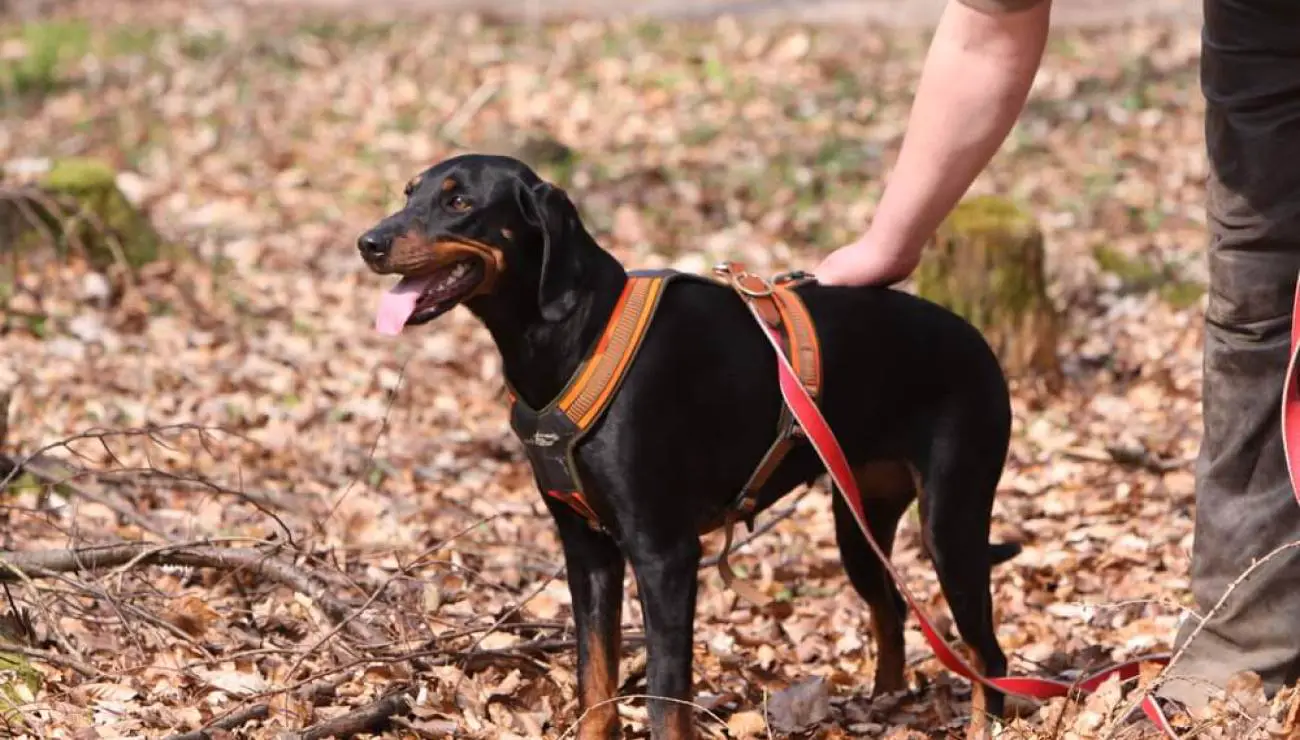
972 89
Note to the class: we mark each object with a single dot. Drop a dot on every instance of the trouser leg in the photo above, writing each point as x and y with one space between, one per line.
1245 506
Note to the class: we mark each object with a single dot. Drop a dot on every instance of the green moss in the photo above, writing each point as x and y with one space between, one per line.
1181 294
987 266
20 682
201 47
91 184
24 482
92 216
349 31
132 40
79 175
48 46
989 215
1127 269
1139 275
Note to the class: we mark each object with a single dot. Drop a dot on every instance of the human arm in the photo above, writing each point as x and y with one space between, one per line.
974 83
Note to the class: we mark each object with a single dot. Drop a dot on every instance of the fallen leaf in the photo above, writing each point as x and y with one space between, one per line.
799 706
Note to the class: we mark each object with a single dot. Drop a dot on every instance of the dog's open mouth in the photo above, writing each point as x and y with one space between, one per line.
422 298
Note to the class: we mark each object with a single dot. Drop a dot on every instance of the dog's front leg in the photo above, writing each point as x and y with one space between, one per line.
595 572
667 581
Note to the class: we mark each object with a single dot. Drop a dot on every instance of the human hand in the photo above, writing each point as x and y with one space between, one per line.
867 261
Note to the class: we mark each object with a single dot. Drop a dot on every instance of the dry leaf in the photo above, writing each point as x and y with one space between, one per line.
747 724
799 706
384 467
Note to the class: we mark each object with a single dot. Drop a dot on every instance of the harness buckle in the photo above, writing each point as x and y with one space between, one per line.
744 281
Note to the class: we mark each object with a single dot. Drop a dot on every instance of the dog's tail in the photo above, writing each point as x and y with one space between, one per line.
1001 552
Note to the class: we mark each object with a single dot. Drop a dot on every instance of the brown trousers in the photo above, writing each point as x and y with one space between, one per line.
1245 506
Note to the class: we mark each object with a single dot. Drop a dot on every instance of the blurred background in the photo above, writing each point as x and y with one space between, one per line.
187 359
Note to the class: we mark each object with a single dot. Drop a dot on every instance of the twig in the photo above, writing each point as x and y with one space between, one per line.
85 669
373 716
761 529
402 570
227 723
340 625
1127 456
5 399
619 699
410 727
102 435
59 474
236 718
266 502
469 654
48 562
477 99
370 454
1143 692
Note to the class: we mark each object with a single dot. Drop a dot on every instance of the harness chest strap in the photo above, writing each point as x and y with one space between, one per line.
551 434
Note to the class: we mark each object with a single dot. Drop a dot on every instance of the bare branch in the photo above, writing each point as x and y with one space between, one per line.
239 717
374 716
64 661
44 563
57 473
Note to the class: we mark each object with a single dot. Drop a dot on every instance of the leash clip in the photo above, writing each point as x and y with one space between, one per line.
792 276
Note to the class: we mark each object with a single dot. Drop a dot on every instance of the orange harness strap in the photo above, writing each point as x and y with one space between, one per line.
783 313
551 434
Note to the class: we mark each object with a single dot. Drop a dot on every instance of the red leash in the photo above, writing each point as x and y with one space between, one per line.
828 449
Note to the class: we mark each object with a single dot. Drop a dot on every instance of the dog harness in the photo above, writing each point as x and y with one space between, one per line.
551 435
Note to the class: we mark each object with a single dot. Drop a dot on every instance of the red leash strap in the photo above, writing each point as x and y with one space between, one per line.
828 449
1291 401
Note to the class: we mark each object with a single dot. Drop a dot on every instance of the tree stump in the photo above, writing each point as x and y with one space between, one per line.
74 206
986 264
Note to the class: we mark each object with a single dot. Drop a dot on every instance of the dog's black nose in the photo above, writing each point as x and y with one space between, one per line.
373 245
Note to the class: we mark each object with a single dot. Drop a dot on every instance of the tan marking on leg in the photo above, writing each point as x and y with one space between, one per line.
888 480
887 628
979 719
599 683
892 482
678 722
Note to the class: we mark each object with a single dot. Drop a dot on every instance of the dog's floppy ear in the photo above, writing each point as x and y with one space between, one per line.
550 209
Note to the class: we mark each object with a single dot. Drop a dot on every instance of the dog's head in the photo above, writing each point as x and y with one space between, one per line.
476 227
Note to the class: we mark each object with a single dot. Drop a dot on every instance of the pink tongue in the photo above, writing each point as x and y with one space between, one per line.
397 305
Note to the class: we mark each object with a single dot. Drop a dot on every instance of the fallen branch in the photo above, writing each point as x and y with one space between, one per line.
63 661
227 723
374 716
60 474
313 691
1134 457
44 563
1143 692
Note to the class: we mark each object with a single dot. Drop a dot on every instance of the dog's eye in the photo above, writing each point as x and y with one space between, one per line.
410 186
458 203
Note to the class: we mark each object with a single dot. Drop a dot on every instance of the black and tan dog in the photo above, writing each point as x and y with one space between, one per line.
911 390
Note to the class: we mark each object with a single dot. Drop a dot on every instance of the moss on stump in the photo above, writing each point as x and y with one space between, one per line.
987 265
75 206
